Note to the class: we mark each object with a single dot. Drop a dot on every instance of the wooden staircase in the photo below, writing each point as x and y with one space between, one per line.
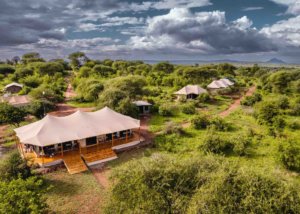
75 164
102 154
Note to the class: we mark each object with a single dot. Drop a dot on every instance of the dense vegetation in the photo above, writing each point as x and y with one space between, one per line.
200 162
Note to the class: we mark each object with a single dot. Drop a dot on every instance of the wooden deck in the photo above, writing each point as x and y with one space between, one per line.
76 161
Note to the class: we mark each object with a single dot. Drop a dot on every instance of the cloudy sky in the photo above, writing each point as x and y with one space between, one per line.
152 30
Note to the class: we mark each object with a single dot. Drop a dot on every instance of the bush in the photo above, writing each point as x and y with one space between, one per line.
13 167
167 184
23 196
203 98
251 100
241 144
189 108
173 128
245 191
39 108
220 124
10 114
215 143
294 125
295 111
283 102
290 155
200 122
266 112
166 110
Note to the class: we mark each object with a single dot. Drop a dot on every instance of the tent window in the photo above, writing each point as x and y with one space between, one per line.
91 141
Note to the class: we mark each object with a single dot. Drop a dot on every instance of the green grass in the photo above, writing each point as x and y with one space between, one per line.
79 193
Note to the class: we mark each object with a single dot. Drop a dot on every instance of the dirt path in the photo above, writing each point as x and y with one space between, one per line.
231 108
237 103
70 93
64 109
101 173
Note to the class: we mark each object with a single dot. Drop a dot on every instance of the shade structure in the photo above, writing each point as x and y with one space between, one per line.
191 89
221 83
141 103
17 100
79 125
13 84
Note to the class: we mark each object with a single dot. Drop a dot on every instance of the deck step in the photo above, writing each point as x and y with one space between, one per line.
75 165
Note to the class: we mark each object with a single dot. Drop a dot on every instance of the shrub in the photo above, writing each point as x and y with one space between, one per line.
283 102
10 114
295 110
220 124
203 98
215 143
22 196
13 167
189 108
266 112
39 108
245 191
251 100
166 110
294 125
290 155
173 128
200 122
241 144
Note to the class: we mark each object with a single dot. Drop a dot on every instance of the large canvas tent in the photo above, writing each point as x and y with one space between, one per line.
79 125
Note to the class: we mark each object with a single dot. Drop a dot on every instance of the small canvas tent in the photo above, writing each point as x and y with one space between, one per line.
221 83
144 107
190 91
13 87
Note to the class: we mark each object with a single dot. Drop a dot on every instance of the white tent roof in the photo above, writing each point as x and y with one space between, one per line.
142 103
191 89
13 84
79 125
221 83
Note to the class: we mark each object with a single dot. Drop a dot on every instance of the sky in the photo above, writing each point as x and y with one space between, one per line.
246 30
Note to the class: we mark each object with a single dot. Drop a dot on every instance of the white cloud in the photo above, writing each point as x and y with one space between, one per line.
168 4
203 32
252 8
285 32
292 5
243 23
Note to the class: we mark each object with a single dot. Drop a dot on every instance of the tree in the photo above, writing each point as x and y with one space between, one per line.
77 59
23 196
164 67
103 70
50 68
10 114
89 89
39 108
31 57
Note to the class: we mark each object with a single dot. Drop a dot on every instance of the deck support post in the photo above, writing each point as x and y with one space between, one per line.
62 150
140 134
126 136
43 155
112 140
